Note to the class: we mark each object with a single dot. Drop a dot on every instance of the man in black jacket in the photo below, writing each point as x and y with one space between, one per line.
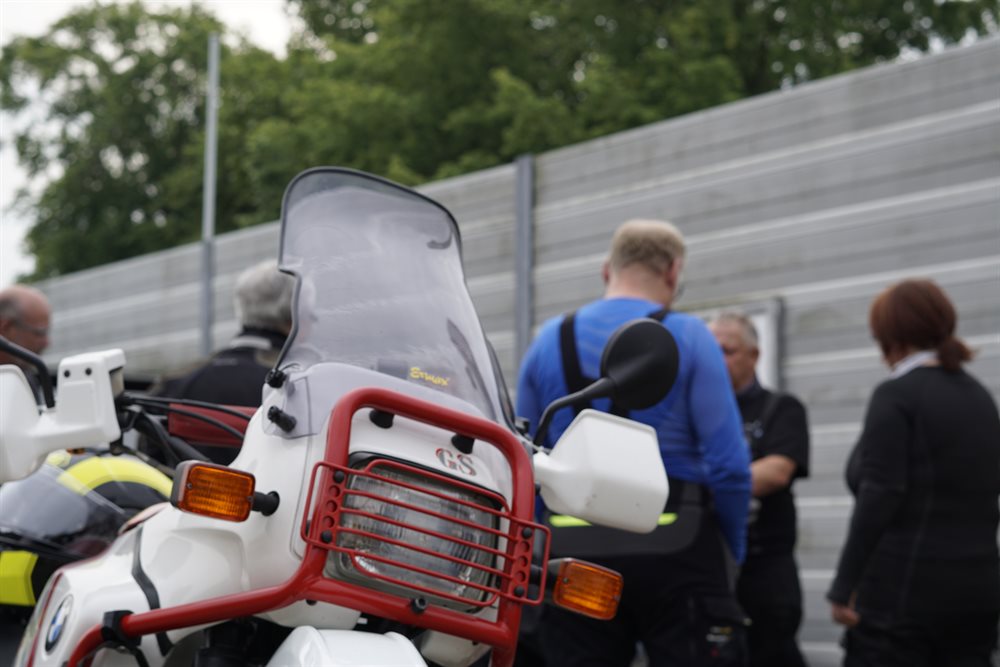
778 436
235 375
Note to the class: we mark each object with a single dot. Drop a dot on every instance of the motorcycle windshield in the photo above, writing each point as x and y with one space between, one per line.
381 286
51 512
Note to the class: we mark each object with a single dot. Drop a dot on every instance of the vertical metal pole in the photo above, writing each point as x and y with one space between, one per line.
208 197
524 248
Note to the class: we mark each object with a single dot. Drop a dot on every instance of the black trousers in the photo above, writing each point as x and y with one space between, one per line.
770 594
680 606
932 640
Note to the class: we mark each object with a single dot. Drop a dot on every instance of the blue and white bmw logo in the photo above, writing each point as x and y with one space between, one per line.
58 623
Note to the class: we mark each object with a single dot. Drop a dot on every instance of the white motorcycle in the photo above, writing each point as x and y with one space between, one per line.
380 511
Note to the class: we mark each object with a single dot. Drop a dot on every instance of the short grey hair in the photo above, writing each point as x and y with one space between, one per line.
263 297
747 330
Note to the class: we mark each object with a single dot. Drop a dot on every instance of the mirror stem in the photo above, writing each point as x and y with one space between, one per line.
599 389
43 372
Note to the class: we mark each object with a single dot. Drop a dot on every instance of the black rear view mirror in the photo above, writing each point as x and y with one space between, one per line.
638 368
641 360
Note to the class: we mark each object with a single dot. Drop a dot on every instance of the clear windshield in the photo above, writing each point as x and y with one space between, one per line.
381 286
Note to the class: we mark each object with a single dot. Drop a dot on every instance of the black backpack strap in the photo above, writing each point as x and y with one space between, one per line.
570 359
572 373
658 315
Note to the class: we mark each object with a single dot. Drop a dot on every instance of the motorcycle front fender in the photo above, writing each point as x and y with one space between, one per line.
309 647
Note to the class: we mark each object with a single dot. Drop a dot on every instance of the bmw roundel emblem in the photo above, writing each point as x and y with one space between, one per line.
58 623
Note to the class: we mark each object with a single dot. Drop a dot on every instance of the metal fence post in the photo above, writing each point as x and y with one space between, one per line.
208 198
524 259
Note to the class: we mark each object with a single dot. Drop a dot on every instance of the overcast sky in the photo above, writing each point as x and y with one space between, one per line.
264 21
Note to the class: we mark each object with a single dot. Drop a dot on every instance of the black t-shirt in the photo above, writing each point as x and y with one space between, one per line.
783 431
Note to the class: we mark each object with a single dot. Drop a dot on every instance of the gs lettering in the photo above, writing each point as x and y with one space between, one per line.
458 462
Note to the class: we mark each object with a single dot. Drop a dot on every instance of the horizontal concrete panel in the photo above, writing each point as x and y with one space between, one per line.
822 533
827 461
153 356
911 157
829 327
236 252
104 323
171 268
853 102
836 387
823 485
493 297
565 285
484 194
489 250
139 275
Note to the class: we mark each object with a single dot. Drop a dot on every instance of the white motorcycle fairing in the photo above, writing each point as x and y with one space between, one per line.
596 457
85 412
219 558
345 648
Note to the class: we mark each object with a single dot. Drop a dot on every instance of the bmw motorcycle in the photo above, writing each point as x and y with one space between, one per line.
381 508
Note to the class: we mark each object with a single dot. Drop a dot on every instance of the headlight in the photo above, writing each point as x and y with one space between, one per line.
416 535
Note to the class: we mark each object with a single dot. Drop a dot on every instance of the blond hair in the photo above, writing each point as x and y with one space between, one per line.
653 244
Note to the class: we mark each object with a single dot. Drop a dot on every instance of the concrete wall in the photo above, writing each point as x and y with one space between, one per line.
816 197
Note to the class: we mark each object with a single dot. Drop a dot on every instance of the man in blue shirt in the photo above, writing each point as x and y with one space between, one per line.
678 599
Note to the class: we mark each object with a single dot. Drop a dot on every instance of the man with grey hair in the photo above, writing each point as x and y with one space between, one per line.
777 433
235 375
678 599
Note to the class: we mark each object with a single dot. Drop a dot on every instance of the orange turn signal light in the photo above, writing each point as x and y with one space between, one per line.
212 490
586 588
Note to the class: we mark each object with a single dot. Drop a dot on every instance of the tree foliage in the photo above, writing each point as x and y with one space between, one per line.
411 89
116 156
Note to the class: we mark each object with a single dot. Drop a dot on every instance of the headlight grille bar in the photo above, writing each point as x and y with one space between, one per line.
505 566
429 552
495 498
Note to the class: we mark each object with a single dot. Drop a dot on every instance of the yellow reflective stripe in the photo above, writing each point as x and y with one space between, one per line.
90 473
566 521
15 578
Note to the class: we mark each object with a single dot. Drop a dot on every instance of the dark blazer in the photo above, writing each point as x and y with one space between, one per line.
926 478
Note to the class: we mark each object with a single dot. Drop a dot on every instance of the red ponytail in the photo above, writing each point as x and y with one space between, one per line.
952 353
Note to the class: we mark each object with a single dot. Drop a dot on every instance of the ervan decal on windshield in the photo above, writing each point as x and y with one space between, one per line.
417 374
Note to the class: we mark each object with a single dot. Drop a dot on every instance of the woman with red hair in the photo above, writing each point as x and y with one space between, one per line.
918 581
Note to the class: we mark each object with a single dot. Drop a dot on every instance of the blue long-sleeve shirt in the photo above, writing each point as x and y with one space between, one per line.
698 424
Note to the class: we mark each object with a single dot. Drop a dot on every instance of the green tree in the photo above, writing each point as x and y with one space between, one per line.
491 78
116 160
411 89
